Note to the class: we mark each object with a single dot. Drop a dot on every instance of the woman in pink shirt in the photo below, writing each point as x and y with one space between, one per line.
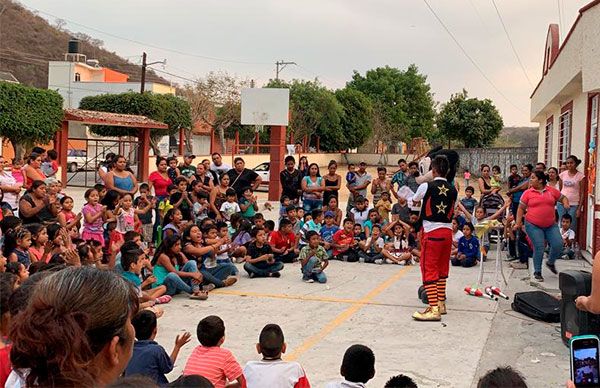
539 201
572 186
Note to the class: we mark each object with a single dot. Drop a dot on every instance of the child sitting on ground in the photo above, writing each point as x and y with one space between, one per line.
398 249
272 371
344 246
328 230
370 249
314 224
359 212
149 358
210 360
313 259
200 208
283 242
269 228
372 221
260 260
248 203
468 248
384 207
456 235
401 210
283 205
480 217
568 236
358 367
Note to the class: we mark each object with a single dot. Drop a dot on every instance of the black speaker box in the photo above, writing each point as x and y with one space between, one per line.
573 321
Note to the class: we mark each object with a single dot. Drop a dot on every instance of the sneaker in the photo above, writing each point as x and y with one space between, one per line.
252 275
308 280
519 265
274 275
361 260
430 314
538 276
510 258
552 268
379 261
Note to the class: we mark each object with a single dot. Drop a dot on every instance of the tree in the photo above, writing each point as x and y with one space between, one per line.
216 101
357 117
474 122
29 116
172 110
403 105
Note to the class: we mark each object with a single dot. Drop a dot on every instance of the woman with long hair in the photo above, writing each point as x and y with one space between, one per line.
312 187
572 186
333 182
35 207
120 179
218 196
75 331
33 170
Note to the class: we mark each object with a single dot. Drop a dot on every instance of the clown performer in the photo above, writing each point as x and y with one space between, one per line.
438 199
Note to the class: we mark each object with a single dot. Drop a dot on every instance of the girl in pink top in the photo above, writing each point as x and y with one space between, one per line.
39 240
67 217
93 217
572 187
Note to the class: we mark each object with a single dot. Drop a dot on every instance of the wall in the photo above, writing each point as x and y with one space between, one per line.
375 159
473 158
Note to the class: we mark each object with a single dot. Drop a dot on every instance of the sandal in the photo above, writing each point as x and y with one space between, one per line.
230 281
156 310
208 288
200 295
163 299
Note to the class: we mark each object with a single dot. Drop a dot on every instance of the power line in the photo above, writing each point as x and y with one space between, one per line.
466 54
153 45
512 46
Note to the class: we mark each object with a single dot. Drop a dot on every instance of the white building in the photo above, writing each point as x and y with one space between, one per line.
565 104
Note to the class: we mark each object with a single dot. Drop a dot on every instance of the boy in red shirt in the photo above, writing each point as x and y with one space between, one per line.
283 242
210 360
344 246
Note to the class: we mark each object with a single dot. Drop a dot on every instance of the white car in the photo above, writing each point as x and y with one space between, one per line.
78 160
263 171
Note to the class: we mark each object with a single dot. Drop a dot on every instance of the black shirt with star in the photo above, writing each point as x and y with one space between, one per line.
439 201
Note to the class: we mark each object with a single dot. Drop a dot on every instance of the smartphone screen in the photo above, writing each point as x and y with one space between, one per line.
584 353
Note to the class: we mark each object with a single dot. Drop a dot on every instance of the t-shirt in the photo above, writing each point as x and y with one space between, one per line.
145 218
275 374
361 180
360 216
399 178
342 238
7 179
151 360
187 171
224 167
468 247
250 211
379 243
184 206
403 212
568 234
307 252
456 236
160 184
281 240
540 206
327 232
570 186
228 209
239 181
310 225
469 204
254 252
216 364
96 226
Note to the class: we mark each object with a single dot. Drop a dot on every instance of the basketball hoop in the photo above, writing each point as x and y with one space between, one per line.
260 118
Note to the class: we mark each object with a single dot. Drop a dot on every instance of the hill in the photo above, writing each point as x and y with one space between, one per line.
28 42
517 137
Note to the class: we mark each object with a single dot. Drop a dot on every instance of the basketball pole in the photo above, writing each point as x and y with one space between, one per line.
277 140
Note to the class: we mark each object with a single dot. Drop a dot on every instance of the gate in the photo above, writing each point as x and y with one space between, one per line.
85 156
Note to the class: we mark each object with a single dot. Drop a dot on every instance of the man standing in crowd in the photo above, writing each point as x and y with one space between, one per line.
359 189
217 164
438 198
290 179
240 177
187 169
399 177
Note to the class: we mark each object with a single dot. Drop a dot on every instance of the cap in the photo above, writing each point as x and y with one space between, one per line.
362 162
329 213
190 155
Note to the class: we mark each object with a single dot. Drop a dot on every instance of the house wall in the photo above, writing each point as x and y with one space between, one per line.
590 48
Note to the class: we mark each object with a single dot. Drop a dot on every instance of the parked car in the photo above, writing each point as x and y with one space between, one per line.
263 171
78 160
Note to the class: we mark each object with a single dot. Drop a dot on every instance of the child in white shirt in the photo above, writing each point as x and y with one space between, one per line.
230 206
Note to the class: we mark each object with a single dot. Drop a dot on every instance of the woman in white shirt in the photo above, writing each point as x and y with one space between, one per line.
9 185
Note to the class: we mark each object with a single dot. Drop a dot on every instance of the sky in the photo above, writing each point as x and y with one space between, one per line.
329 39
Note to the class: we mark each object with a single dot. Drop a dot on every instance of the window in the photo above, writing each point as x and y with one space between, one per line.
564 134
77 77
548 141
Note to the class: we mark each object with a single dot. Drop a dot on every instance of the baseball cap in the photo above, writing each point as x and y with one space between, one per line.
329 213
190 155
363 163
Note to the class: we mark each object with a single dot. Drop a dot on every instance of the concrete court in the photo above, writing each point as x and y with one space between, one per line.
372 305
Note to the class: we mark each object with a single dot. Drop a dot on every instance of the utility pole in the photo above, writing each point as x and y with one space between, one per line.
280 65
144 65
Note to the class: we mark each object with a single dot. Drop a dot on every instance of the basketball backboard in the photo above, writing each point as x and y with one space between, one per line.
265 106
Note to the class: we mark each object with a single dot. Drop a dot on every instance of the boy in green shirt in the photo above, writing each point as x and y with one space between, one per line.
313 259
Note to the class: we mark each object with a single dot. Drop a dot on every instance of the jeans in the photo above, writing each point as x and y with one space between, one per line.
311 204
538 236
466 262
369 257
263 272
176 284
289 258
572 211
217 274
307 271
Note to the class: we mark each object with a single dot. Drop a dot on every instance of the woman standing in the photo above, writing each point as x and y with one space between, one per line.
204 178
119 179
485 181
76 330
303 166
160 181
572 187
333 182
312 187
381 184
217 197
33 170
539 201
9 185
106 166
553 179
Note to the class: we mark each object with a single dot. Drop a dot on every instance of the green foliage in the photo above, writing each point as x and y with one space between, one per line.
357 117
172 110
474 122
29 116
403 105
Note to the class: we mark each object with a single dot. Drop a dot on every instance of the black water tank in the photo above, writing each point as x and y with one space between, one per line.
73 46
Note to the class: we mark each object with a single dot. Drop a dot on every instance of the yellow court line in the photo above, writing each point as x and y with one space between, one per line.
344 316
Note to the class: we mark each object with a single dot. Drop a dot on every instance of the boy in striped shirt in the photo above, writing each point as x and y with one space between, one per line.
210 360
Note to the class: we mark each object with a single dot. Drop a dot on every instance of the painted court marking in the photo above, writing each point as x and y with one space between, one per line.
344 316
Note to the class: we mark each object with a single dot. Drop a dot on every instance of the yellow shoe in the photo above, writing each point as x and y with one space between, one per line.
442 307
430 314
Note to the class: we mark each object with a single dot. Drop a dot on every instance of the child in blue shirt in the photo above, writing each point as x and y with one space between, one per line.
468 248
328 230
149 358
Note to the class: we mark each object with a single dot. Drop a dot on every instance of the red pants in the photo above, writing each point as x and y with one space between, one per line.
436 247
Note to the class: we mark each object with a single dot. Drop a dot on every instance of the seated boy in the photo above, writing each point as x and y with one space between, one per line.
283 242
210 360
328 230
568 236
344 246
358 367
371 249
272 371
149 358
260 260
313 224
231 206
468 248
313 259
384 206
